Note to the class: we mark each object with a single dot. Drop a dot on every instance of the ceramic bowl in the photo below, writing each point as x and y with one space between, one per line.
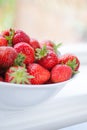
20 96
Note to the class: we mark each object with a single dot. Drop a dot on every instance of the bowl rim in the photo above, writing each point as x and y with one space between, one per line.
13 85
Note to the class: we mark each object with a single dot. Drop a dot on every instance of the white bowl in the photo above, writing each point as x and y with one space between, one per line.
20 96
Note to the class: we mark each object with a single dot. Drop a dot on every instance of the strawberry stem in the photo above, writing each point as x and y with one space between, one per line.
19 61
20 75
41 52
75 72
72 64
56 46
10 37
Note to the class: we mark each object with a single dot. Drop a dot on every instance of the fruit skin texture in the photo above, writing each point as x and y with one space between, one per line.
3 41
7 56
26 50
17 74
49 61
20 36
61 73
41 75
34 43
70 60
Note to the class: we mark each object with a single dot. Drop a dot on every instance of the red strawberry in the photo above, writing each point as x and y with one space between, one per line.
1 79
34 43
18 74
70 60
61 73
7 56
50 45
26 50
6 32
20 36
46 58
9 34
41 75
47 43
3 41
49 61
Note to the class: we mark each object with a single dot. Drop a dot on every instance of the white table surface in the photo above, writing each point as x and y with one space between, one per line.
81 126
68 108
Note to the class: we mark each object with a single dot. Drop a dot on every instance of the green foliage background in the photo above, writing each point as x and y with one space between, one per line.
7 13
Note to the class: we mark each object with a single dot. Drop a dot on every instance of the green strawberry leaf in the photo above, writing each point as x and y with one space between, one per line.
20 75
56 46
72 64
10 37
75 72
19 61
41 52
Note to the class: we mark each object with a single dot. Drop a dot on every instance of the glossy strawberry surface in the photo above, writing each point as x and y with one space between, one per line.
3 41
41 75
7 56
25 60
71 60
20 36
61 73
34 43
49 61
26 50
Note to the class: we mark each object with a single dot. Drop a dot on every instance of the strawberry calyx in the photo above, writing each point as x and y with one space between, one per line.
73 65
20 75
55 47
19 61
10 37
75 72
41 52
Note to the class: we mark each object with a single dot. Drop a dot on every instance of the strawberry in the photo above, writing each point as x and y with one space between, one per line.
3 41
50 45
60 73
17 74
41 52
70 60
1 79
34 43
7 56
47 43
46 58
9 34
49 81
20 36
6 32
49 61
26 50
41 75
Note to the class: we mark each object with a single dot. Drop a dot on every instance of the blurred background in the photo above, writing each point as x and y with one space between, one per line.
57 20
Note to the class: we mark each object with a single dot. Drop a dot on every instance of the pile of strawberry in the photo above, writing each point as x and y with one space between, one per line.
24 60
